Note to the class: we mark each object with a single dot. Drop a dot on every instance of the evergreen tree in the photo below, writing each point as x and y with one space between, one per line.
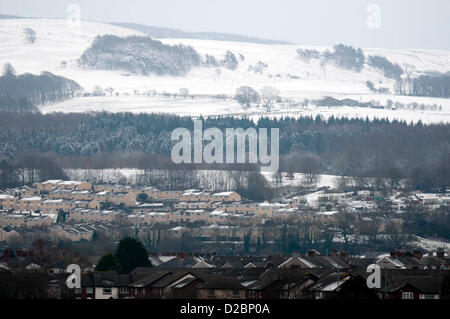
109 262
131 254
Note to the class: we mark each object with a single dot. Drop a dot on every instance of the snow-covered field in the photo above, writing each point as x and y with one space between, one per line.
216 107
131 175
58 41
430 244
299 179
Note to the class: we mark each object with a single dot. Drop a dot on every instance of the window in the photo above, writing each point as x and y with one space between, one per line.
428 297
407 295
211 293
89 290
236 294
78 290
124 290
107 291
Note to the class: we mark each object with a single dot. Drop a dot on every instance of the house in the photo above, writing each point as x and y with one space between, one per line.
156 218
403 260
53 206
166 195
156 283
297 262
92 215
60 194
113 188
48 186
79 204
24 219
226 197
29 204
390 263
195 196
74 185
192 205
8 202
93 204
327 286
151 192
26 191
191 215
185 283
81 195
125 199
221 287
410 284
185 287
142 286
110 285
87 290
73 233
263 288
180 261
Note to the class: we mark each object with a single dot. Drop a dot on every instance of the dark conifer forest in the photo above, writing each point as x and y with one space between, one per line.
340 146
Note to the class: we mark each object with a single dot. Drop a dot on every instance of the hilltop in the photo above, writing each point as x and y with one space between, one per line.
307 78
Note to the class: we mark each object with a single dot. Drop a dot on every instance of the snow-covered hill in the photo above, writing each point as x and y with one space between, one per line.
59 45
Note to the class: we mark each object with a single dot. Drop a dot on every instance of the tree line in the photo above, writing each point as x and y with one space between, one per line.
24 92
144 56
436 85
339 146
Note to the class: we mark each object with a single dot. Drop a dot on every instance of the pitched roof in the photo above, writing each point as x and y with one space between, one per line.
222 283
109 279
329 282
425 281
150 279
185 282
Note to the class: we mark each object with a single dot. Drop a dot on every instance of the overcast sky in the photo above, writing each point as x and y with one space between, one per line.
389 24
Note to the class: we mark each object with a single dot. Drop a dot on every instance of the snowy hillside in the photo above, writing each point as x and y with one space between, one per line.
59 46
56 41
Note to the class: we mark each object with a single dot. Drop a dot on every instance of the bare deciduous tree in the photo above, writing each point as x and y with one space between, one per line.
30 35
246 96
269 95
8 69
184 92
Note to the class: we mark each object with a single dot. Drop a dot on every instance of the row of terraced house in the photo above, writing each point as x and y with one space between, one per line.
84 202
301 276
